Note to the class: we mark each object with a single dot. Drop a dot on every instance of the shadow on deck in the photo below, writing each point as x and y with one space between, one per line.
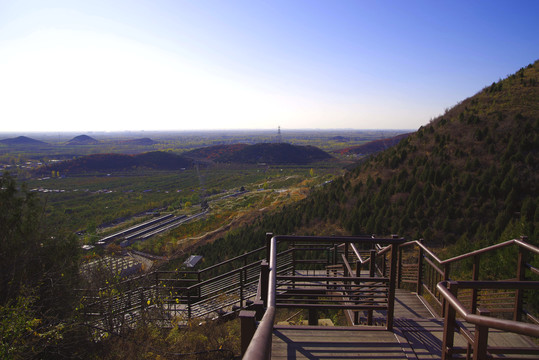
417 334
469 319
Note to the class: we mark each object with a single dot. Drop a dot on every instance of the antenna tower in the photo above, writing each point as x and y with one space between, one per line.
279 137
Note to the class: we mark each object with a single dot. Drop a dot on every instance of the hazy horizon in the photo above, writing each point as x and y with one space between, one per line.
161 134
78 66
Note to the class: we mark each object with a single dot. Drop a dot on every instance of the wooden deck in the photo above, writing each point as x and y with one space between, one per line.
417 335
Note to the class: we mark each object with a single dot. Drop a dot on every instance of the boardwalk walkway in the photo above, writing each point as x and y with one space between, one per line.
417 335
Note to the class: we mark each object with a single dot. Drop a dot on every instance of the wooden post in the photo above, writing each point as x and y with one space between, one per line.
198 281
268 242
392 284
248 328
313 317
358 274
384 266
242 281
399 272
446 278
293 258
481 339
372 269
475 277
372 265
188 305
419 284
258 307
521 276
264 275
449 324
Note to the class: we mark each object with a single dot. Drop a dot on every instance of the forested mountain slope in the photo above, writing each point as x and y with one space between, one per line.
470 173
469 177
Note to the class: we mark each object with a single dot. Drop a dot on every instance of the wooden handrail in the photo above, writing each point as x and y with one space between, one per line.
358 255
222 276
520 243
231 260
449 290
340 239
260 345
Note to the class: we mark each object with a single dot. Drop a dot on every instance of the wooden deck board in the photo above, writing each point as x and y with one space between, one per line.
417 335
336 344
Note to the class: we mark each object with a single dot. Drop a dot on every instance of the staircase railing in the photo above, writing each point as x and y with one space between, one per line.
166 295
427 270
316 291
478 341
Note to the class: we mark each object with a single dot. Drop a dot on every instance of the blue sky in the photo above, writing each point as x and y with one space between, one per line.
183 65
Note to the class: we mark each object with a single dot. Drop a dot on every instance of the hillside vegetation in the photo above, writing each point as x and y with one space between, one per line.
468 178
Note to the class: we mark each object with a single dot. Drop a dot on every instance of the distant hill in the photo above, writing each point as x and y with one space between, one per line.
82 140
156 160
268 153
22 141
214 153
141 142
373 147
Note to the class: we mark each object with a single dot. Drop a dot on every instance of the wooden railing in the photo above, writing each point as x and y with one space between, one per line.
356 274
478 341
474 300
162 296
313 292
427 270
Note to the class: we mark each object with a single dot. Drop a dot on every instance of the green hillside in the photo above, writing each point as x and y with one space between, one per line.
470 174
469 177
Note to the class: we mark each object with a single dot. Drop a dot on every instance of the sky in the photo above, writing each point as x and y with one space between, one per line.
206 65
